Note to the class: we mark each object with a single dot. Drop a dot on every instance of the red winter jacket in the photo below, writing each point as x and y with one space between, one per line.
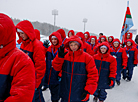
132 52
93 46
120 53
107 67
17 74
71 31
33 48
86 46
110 43
79 72
51 76
88 36
63 35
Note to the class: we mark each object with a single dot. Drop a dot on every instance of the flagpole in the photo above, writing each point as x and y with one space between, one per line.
125 24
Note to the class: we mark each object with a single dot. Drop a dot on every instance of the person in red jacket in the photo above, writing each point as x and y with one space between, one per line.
131 51
17 74
128 35
121 58
110 40
87 36
34 49
51 78
63 35
103 39
93 43
45 44
107 66
79 73
71 33
86 46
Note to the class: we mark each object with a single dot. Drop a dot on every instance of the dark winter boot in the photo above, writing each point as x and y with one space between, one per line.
95 99
118 83
128 80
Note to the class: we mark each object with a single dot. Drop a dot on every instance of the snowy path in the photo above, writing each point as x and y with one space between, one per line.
126 92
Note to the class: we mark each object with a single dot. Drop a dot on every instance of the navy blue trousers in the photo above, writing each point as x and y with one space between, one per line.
101 94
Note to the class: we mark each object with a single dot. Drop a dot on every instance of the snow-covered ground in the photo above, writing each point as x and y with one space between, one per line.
126 92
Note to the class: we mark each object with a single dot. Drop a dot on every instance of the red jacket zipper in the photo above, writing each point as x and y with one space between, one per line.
71 79
49 76
100 67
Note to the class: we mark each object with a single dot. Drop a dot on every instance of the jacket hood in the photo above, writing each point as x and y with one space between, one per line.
103 37
96 41
111 37
27 27
80 34
7 34
106 44
58 37
87 34
72 31
117 41
37 33
74 38
132 43
62 32
126 35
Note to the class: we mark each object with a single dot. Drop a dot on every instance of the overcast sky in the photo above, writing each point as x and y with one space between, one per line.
103 15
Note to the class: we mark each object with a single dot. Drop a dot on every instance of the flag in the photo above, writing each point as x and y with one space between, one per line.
128 23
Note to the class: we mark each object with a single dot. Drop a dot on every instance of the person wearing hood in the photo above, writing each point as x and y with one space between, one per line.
107 66
121 58
17 74
87 36
128 35
34 49
103 39
110 40
63 35
71 33
51 76
132 60
79 73
86 46
45 44
93 43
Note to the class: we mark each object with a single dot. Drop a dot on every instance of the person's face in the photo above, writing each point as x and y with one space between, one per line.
115 44
128 36
23 36
70 34
74 46
128 43
54 41
110 40
103 50
102 40
100 35
92 41
86 36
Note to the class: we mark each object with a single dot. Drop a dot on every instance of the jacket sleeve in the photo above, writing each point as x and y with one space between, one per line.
113 67
135 56
57 63
92 76
39 63
125 58
23 83
88 50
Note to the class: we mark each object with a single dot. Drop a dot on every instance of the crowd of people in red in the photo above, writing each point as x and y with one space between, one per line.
72 68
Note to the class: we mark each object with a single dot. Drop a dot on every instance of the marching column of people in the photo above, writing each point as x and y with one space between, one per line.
72 68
